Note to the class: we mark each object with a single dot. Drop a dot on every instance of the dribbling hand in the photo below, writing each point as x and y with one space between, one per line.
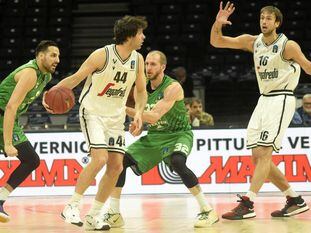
47 108
223 14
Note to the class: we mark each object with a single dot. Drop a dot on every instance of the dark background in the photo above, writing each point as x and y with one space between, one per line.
223 78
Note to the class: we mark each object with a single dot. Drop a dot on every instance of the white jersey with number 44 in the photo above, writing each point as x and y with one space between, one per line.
105 91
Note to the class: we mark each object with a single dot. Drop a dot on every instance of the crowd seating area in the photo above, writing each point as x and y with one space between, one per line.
180 28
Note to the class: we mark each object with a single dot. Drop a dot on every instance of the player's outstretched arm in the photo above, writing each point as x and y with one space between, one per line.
218 40
293 52
94 62
26 80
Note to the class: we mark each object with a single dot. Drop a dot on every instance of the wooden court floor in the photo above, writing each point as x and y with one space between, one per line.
155 214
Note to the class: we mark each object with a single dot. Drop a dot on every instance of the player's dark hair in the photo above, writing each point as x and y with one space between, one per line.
43 46
127 27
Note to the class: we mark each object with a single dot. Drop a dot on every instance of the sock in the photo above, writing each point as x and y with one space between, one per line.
251 195
4 193
76 199
290 192
204 206
114 205
96 208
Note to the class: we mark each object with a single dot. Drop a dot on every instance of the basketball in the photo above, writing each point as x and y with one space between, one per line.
60 99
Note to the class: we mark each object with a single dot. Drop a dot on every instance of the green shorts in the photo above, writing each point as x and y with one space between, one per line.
18 134
150 150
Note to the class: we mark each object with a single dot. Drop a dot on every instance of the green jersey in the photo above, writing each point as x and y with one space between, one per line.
176 119
8 84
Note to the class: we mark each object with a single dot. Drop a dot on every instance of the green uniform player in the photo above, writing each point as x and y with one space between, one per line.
171 133
169 139
7 87
17 91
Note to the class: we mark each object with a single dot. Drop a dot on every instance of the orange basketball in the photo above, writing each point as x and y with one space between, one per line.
60 99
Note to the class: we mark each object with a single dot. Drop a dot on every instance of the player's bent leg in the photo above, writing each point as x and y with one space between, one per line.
71 212
94 220
113 169
113 216
293 206
99 158
29 162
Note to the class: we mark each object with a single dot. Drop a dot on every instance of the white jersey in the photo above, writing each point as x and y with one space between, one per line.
274 73
105 91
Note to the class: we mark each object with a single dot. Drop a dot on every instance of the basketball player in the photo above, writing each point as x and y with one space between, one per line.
17 91
169 139
277 63
111 72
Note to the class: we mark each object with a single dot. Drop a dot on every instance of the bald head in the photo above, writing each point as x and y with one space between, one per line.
160 55
155 65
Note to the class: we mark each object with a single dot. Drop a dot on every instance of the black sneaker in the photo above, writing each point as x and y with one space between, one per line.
4 217
243 211
293 206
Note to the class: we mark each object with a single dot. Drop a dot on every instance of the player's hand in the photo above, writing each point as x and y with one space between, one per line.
223 14
137 124
10 150
133 129
47 108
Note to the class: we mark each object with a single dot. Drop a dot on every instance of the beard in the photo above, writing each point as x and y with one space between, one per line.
153 77
50 69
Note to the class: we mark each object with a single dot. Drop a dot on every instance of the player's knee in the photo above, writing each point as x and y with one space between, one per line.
98 162
178 162
35 163
28 155
115 170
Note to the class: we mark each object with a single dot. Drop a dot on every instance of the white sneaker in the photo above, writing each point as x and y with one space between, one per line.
71 214
115 220
95 223
206 219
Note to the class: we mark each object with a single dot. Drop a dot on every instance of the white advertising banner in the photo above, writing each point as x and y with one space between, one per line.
219 158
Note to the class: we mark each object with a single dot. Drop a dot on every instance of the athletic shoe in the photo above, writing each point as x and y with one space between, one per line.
115 220
293 206
4 217
95 223
243 211
206 219
71 214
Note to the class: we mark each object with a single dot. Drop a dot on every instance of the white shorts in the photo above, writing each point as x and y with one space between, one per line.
103 132
270 120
